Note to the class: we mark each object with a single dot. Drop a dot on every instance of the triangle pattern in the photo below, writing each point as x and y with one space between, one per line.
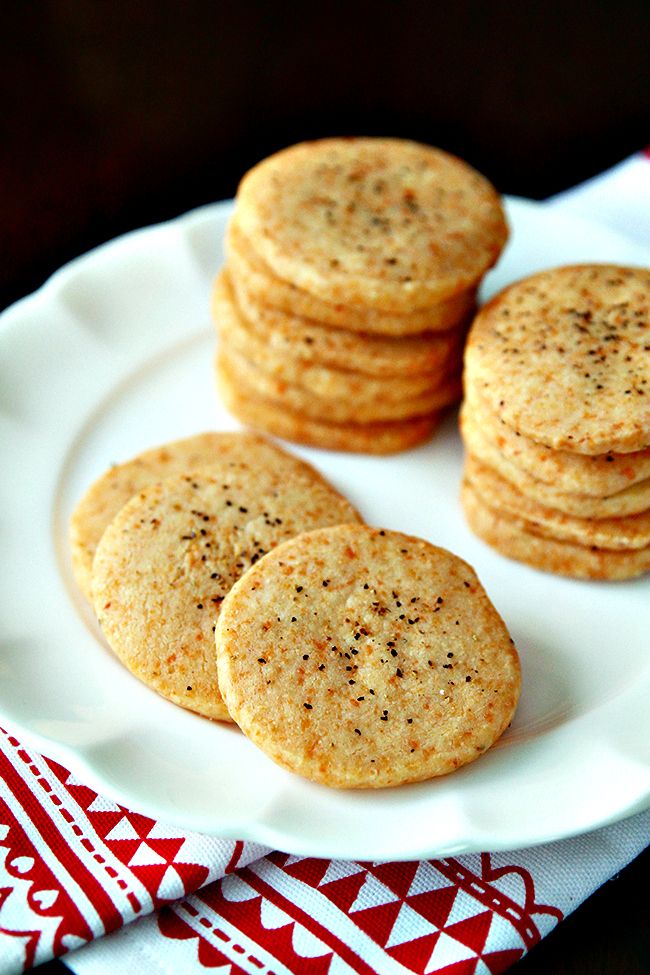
435 905
427 878
372 894
344 892
398 877
378 921
472 932
310 870
448 952
104 820
171 886
501 932
122 831
144 856
338 869
465 906
498 961
166 848
407 923
467 967
415 954
102 805
161 831
193 875
142 824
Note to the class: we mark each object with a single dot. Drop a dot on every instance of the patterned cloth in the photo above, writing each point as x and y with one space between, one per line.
75 867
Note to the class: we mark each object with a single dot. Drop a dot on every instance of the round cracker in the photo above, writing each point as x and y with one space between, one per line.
262 288
355 409
364 658
112 490
363 438
170 556
563 357
383 223
517 540
630 501
630 532
600 476
289 337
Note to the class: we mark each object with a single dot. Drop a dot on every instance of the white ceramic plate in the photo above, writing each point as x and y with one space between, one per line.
114 354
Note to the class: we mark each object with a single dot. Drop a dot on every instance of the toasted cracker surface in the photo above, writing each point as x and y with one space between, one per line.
170 556
297 348
387 437
600 475
359 658
249 377
563 357
620 533
385 223
520 540
630 501
256 281
112 490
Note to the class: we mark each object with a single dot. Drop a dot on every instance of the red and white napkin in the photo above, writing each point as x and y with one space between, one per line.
119 891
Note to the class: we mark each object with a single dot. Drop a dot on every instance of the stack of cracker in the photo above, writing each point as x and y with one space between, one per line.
352 270
556 422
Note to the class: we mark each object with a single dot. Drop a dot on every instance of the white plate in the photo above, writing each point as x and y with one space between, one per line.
114 354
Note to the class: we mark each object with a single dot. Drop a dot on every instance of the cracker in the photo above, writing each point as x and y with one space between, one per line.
383 223
321 381
286 333
112 490
563 357
630 501
291 357
363 438
364 658
601 475
355 409
515 540
255 279
624 533
170 556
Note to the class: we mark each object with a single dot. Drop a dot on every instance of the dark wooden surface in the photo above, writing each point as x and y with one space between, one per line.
120 114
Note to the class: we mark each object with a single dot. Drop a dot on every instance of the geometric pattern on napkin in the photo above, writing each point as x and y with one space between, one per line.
75 866
302 915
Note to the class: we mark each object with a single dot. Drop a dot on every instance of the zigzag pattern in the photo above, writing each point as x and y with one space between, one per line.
415 920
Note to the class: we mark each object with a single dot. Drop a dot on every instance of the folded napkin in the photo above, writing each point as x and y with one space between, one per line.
75 866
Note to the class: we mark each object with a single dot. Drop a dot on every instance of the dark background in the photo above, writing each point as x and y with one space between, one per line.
115 114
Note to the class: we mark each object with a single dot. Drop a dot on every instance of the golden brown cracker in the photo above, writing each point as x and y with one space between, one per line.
382 223
563 357
170 556
364 658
